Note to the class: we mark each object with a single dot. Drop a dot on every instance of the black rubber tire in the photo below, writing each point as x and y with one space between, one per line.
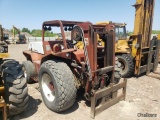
128 62
16 91
64 85
29 69
117 72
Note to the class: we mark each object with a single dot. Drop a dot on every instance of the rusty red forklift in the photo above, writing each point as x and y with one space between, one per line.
61 68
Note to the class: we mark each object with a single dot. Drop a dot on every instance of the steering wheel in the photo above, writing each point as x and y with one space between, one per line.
76 34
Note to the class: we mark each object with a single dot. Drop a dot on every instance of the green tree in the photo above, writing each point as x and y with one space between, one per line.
48 34
155 31
129 33
26 30
36 33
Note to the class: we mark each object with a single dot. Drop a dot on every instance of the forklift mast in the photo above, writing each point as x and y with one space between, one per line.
158 37
142 26
142 46
144 20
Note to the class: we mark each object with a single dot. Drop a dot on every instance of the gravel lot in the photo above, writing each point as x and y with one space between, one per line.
143 96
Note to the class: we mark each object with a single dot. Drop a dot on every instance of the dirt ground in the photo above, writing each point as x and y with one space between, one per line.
143 97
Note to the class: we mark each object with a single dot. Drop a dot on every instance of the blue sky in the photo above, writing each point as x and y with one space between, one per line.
32 13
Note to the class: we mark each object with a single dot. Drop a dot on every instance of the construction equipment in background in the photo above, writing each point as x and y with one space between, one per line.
154 39
158 37
4 35
143 51
13 88
21 39
122 49
61 68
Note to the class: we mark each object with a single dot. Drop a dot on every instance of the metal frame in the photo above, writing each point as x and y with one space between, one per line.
152 67
104 93
152 53
109 62
142 46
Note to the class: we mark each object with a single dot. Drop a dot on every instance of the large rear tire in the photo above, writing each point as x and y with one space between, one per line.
57 85
16 91
127 65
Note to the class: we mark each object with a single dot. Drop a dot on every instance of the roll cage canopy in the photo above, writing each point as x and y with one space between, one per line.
60 22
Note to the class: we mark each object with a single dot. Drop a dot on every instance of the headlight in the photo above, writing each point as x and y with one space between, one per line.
67 54
102 50
62 47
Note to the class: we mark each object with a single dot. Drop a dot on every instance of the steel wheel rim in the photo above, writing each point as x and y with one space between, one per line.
46 87
25 72
123 65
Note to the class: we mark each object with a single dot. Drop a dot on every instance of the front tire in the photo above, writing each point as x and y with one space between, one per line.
16 91
127 65
57 85
29 71
117 71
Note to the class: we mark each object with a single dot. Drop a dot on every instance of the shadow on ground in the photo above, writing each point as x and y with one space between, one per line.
31 109
79 98
34 103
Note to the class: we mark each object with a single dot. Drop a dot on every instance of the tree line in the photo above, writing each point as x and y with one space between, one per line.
35 32
153 32
38 32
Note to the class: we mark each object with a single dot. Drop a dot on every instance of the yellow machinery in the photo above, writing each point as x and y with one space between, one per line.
143 49
121 45
140 51
122 49
158 37
3 105
13 88
21 37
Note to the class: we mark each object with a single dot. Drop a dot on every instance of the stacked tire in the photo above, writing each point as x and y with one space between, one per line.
16 91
